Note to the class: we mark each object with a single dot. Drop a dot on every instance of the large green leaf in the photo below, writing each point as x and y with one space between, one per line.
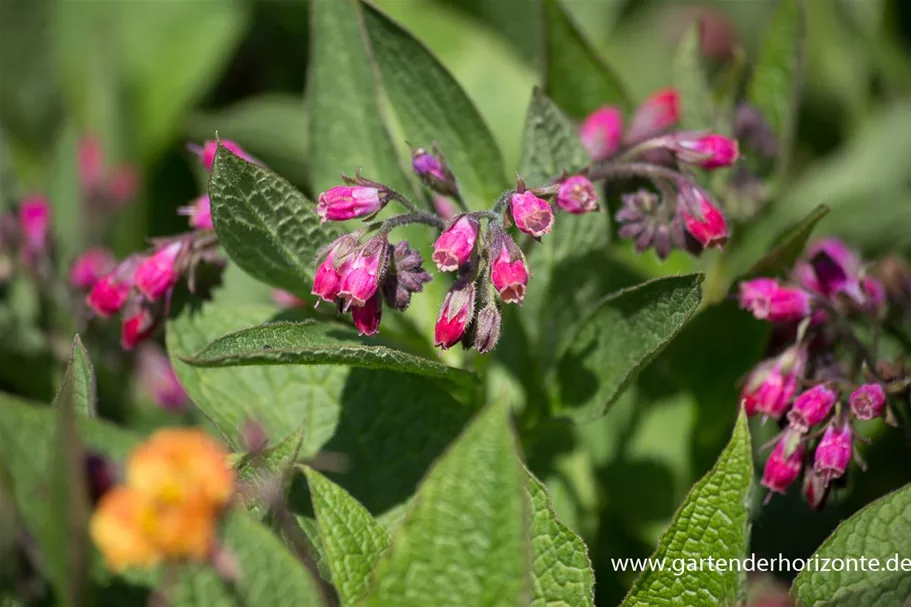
576 77
880 531
696 99
267 227
346 127
775 85
431 106
561 573
313 342
623 333
550 143
712 522
352 541
464 540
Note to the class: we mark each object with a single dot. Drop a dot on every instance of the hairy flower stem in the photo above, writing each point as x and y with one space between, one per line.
414 217
649 171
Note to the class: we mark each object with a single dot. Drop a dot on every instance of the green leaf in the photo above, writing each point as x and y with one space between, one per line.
775 85
879 531
464 538
346 127
273 127
713 521
550 143
81 377
313 343
789 246
561 573
431 106
267 227
352 540
576 77
621 335
696 99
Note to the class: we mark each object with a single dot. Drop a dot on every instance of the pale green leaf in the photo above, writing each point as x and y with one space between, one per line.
352 541
464 539
789 246
550 143
82 378
432 107
576 77
698 111
267 227
880 531
713 521
623 333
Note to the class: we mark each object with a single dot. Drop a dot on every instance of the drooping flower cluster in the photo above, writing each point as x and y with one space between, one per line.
177 484
827 377
679 214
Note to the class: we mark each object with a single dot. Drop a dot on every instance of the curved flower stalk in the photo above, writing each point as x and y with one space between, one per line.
829 377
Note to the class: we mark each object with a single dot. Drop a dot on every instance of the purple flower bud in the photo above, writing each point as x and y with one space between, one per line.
90 267
656 114
811 407
837 269
711 230
157 378
348 202
100 474
708 151
509 274
602 132
444 207
360 277
868 401
158 273
367 317
200 213
531 214
456 244
487 328
767 300
833 454
577 195
456 314
406 275
426 164
784 464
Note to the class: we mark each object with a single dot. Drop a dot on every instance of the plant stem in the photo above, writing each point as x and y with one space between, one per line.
414 217
634 169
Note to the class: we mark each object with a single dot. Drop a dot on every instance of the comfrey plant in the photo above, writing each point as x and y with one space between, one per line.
829 375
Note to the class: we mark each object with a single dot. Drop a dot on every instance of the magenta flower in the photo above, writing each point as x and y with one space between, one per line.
207 152
123 185
367 317
711 230
656 114
360 276
868 401
456 314
833 454
509 275
836 268
34 227
348 202
90 161
773 383
158 273
767 300
577 195
811 407
531 214
137 327
602 132
286 299
784 464
709 151
427 165
108 295
90 267
444 207
456 244
875 298
200 213
328 279
157 378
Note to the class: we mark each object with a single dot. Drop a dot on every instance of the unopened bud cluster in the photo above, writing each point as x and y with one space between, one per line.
827 378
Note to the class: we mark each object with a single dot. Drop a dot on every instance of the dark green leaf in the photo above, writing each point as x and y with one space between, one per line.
352 541
696 99
431 106
880 531
267 227
346 127
82 381
789 246
550 143
619 338
775 85
313 343
576 77
713 521
464 540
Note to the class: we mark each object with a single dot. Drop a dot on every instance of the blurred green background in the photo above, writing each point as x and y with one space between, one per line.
147 76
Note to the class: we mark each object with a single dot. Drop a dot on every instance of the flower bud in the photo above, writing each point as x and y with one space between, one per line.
784 464
109 294
348 202
90 160
577 195
773 383
137 327
456 314
433 171
455 245
711 229
833 453
767 300
360 277
34 228
656 114
487 328
406 275
328 279
367 317
531 214
209 148
444 207
287 300
868 401
158 273
509 274
875 299
157 378
836 268
200 213
90 267
708 151
811 407
602 131
815 490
